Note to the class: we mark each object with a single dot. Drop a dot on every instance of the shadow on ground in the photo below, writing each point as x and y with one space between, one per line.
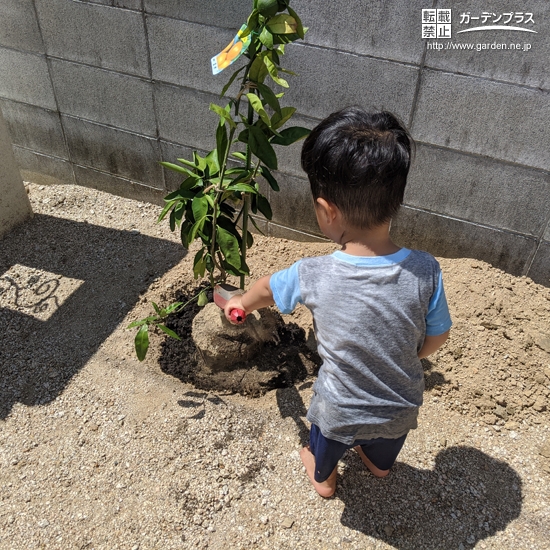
64 288
468 497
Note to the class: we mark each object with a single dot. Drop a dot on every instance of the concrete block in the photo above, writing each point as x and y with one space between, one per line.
189 63
293 206
451 238
115 151
97 35
102 96
546 235
29 80
15 207
540 268
479 190
19 26
381 29
127 4
230 14
330 80
282 232
43 169
35 128
184 116
87 177
517 66
483 117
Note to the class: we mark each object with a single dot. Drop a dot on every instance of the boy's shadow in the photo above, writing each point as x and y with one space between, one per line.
291 404
467 497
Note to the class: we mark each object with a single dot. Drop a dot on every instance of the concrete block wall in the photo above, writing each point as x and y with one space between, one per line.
96 92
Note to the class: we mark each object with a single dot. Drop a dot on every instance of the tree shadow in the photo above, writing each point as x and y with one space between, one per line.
467 497
432 378
63 291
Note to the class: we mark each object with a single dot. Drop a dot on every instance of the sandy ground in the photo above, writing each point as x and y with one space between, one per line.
98 450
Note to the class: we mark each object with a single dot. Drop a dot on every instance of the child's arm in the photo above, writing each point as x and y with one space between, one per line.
431 344
257 297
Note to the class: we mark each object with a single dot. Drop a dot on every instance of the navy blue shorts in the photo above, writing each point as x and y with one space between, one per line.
327 452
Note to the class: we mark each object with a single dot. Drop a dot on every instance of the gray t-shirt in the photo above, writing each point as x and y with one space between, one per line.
371 315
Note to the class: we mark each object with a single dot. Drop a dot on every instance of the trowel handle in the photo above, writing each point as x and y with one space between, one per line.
222 293
238 316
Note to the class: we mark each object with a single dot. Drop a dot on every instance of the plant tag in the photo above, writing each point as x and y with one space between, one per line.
232 52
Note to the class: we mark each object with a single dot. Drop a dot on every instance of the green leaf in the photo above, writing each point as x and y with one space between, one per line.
279 119
273 73
256 103
239 155
212 162
180 195
178 213
172 307
184 233
177 168
266 38
243 188
258 70
229 246
156 308
200 207
299 27
172 221
222 143
209 198
282 24
197 226
231 80
288 72
243 136
249 239
260 146
224 115
251 23
264 207
237 170
199 264
187 162
141 342
140 323
251 218
165 211
168 331
200 162
269 97
290 135
203 299
269 177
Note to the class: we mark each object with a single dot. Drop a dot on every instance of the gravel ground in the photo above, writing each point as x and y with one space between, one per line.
100 451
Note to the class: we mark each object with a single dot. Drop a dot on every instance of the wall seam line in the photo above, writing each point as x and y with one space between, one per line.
476 224
54 91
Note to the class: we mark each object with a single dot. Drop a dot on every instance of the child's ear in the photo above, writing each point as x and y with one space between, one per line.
326 209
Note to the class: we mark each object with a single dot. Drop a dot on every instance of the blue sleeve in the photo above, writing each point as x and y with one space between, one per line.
438 319
285 286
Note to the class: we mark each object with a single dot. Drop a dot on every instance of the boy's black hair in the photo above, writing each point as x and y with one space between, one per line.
359 161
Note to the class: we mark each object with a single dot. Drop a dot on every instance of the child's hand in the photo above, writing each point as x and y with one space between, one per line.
233 303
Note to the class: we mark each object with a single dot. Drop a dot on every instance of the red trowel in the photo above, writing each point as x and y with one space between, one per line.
222 293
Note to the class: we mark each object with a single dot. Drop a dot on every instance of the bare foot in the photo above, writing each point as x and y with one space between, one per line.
325 488
375 471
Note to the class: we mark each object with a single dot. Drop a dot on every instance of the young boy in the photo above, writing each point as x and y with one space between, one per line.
377 308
